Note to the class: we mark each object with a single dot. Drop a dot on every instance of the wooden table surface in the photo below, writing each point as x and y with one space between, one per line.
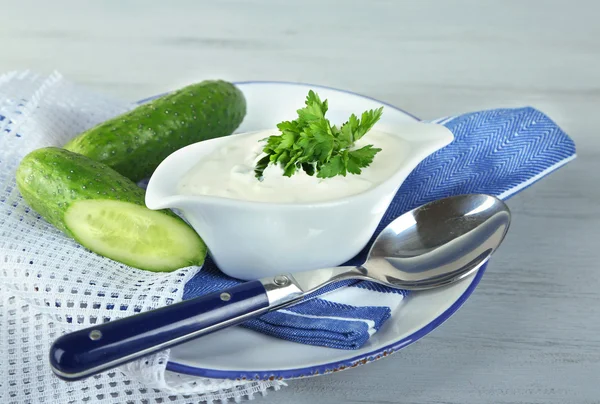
531 331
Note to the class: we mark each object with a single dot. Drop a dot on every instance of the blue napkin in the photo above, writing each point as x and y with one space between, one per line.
497 152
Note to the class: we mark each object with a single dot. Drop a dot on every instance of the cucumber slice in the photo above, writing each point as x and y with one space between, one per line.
105 211
134 235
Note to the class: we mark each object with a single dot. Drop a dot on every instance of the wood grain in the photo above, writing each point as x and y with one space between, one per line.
531 331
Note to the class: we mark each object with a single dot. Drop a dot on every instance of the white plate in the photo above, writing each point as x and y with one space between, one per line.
238 353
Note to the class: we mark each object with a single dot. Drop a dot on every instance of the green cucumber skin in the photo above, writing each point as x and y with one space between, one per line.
50 179
136 142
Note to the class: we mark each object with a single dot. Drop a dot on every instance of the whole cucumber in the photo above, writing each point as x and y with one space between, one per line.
135 142
105 211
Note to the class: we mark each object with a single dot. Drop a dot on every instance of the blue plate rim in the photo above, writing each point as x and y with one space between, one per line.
332 367
336 366
297 83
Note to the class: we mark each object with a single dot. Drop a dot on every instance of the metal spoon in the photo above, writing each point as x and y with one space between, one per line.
431 246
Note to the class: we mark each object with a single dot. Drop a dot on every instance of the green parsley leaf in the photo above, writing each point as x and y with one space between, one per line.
261 165
367 120
361 158
311 144
335 166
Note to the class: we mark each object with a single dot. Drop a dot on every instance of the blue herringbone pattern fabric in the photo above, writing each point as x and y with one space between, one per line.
496 152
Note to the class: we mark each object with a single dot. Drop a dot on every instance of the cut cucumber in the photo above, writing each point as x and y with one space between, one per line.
105 212
133 235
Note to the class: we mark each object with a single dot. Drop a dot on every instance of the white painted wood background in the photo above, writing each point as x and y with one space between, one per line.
531 331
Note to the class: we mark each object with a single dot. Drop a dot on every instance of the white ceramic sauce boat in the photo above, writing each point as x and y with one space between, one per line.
250 240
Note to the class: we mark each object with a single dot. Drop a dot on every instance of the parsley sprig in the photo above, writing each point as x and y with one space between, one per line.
310 143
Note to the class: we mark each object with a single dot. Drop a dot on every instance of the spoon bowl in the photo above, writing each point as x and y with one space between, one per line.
439 243
431 246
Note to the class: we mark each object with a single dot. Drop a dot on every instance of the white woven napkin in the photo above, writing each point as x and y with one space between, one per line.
50 285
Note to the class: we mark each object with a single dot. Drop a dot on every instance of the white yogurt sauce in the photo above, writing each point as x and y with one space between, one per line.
229 172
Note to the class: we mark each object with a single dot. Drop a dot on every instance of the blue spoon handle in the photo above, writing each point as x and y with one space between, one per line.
82 353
